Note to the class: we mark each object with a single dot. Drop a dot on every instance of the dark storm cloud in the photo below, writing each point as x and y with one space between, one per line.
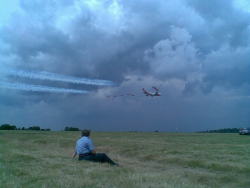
225 24
193 50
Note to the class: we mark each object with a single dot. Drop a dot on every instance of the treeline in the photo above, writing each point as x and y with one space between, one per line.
226 130
13 127
71 129
34 128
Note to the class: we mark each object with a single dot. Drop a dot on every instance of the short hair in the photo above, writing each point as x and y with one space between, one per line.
85 132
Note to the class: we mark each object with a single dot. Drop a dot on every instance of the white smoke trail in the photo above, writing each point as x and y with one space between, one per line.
39 88
58 77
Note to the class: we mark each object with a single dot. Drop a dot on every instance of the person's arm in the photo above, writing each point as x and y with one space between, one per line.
74 154
92 147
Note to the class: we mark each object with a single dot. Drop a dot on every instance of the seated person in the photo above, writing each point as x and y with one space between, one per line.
85 149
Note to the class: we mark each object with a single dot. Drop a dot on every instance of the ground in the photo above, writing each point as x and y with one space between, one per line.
37 159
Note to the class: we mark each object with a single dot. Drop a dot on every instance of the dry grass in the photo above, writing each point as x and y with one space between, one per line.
157 160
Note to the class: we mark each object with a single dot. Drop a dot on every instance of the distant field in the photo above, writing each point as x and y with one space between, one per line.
148 160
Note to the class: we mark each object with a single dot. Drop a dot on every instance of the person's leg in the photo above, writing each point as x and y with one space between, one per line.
102 157
98 157
86 157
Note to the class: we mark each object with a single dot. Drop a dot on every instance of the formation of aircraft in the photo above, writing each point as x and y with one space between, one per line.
114 96
147 93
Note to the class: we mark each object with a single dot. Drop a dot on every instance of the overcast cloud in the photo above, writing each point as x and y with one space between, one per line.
196 52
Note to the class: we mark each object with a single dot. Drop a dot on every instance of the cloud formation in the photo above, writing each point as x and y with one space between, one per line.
197 53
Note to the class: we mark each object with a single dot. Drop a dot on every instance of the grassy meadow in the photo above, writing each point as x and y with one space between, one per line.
30 159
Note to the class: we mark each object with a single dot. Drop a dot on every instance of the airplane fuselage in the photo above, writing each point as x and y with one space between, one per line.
151 94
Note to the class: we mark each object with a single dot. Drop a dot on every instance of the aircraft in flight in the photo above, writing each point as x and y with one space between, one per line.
155 94
147 93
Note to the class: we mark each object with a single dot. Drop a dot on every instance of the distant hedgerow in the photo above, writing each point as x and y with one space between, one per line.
7 127
71 129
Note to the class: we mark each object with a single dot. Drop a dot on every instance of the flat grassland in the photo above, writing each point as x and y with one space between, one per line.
157 160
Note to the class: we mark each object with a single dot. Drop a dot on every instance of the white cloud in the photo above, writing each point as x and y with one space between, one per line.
175 55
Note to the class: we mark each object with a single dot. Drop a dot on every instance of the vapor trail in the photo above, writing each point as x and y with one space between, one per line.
58 77
39 88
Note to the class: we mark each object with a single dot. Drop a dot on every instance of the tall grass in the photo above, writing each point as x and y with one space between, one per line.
158 160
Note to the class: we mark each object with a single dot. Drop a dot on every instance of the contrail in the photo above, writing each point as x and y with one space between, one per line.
39 88
58 77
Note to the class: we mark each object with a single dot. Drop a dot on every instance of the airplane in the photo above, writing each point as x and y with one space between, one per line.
156 93
151 94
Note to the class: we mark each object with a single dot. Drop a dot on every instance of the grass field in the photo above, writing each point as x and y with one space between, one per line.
157 160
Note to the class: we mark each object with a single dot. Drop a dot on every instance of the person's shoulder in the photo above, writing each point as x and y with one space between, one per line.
84 138
81 138
88 139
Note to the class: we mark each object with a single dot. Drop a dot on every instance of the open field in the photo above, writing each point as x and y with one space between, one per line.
157 160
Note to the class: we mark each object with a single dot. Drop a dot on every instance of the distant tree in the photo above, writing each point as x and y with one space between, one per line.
225 130
71 129
7 127
34 128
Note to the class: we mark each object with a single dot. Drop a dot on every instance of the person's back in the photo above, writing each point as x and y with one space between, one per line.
84 145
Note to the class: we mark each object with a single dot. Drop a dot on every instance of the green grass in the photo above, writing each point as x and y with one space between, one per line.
31 159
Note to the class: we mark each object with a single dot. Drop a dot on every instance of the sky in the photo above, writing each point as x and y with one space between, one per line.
60 61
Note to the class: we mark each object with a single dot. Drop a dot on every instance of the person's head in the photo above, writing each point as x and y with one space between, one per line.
85 132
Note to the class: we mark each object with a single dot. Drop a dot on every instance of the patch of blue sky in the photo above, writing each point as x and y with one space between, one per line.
7 8
243 5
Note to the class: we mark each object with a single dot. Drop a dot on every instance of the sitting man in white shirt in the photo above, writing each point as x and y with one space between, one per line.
85 149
